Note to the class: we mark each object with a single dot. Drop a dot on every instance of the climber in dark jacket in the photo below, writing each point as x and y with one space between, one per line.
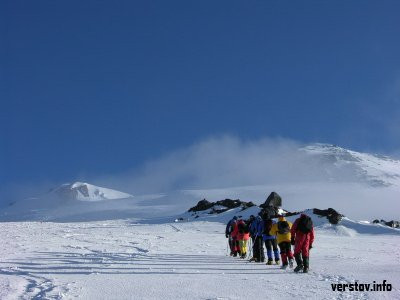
257 230
231 234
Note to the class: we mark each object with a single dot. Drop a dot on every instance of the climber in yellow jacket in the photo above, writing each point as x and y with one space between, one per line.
281 230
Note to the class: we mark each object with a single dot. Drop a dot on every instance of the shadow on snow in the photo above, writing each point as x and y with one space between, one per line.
98 262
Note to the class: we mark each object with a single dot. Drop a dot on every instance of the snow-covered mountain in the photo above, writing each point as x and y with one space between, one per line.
350 182
83 191
376 170
78 201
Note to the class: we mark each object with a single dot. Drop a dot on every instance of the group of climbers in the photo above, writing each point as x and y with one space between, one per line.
266 231
238 233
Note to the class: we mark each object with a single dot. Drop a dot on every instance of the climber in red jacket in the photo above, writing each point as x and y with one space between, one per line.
302 233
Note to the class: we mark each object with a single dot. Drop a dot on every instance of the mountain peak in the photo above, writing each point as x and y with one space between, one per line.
377 170
83 191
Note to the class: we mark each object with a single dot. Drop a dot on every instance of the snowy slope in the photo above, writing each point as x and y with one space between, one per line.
124 260
377 170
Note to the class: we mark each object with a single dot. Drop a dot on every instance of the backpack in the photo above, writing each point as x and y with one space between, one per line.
305 224
283 227
267 226
247 228
241 227
232 226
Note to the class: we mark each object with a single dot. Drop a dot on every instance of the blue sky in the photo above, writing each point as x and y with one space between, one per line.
99 87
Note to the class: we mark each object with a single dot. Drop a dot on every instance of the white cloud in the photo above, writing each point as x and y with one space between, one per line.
226 166
227 161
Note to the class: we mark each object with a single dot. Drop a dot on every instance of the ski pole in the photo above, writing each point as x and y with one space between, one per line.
251 248
247 248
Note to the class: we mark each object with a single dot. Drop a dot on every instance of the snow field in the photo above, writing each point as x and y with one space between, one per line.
122 260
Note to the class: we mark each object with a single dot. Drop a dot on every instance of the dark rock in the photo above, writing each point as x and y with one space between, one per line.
247 204
270 208
394 224
226 205
202 205
289 214
332 215
229 203
273 200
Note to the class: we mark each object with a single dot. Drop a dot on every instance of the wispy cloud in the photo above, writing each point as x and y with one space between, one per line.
227 166
228 161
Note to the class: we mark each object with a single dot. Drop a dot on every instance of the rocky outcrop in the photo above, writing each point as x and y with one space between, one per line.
332 215
393 224
273 200
201 205
220 206
271 207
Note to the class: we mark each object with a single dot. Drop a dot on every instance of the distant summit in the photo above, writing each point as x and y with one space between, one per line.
375 170
330 176
83 191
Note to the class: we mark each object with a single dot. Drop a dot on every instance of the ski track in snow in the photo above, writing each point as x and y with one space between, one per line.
117 259
37 286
